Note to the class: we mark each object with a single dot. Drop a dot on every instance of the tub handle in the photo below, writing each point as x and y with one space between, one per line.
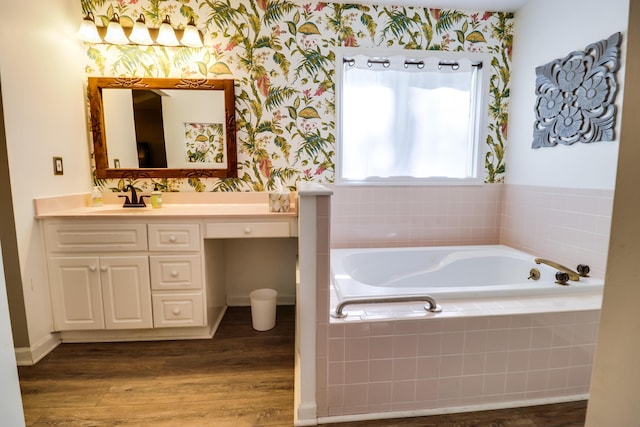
431 305
534 274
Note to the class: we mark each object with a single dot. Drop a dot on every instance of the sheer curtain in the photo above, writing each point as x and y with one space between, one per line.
407 118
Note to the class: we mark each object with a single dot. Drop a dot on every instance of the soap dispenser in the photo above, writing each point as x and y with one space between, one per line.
156 198
96 197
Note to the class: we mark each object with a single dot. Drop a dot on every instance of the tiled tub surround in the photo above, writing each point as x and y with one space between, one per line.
510 356
443 364
379 217
565 224
391 360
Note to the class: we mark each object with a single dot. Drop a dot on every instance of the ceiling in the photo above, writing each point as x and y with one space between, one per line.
475 5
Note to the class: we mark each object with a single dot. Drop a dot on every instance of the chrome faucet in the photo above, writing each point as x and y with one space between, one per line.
572 274
134 202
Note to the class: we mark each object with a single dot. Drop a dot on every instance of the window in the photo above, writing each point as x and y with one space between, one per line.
410 118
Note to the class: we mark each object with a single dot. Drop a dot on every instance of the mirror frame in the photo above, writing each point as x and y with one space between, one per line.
97 84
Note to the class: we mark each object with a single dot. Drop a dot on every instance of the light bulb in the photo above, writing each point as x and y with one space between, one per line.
166 35
115 33
140 32
191 35
88 31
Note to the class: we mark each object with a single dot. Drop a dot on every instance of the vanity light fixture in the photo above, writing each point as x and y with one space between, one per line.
166 34
115 33
140 33
88 31
191 36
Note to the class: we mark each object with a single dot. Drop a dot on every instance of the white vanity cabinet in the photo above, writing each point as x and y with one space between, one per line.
94 283
176 275
162 274
107 275
100 292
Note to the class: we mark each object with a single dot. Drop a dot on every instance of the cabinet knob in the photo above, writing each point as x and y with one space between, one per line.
176 311
92 268
103 269
174 273
247 230
173 238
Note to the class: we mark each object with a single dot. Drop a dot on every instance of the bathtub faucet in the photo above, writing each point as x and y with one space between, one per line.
572 274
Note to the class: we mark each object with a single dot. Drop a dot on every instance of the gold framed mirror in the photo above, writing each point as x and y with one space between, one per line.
163 128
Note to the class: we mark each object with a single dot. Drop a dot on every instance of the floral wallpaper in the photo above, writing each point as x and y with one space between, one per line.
281 55
204 143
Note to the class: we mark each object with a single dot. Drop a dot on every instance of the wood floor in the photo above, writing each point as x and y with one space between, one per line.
240 378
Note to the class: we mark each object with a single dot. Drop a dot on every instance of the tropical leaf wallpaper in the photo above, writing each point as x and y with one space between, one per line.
281 55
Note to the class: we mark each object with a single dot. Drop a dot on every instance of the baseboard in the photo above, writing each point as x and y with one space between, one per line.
28 356
124 335
452 410
305 415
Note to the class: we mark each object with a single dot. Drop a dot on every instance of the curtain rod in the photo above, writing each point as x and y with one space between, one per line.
418 63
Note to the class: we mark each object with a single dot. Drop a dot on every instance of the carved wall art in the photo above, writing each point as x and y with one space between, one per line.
576 94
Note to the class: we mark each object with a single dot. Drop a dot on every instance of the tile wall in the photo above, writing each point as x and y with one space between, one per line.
565 224
428 364
415 216
568 225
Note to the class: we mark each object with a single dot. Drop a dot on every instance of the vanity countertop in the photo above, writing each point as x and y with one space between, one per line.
176 205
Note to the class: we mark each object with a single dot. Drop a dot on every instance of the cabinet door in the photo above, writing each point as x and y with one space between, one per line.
126 292
75 293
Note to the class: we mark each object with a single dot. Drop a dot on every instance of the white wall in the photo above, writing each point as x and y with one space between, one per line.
11 402
43 84
546 30
120 127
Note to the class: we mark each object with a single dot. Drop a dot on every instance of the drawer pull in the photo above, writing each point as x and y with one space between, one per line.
173 238
176 311
174 273
92 268
247 230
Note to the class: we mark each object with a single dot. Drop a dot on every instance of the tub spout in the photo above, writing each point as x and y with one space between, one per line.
572 274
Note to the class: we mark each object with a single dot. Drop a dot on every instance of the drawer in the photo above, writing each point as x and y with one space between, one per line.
96 237
174 237
178 310
234 230
175 272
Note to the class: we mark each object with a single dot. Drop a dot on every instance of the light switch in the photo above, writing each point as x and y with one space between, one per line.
57 166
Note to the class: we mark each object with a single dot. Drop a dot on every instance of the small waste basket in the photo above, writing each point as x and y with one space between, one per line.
263 309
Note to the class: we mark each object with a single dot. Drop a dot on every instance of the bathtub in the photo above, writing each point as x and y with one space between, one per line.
445 273
501 340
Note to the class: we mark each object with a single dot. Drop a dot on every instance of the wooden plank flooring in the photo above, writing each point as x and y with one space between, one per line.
239 378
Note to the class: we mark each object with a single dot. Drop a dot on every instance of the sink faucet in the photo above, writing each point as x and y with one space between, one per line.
572 274
134 202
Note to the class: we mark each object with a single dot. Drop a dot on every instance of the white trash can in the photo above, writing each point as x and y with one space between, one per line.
263 309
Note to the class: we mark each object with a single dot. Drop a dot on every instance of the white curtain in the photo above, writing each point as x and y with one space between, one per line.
406 117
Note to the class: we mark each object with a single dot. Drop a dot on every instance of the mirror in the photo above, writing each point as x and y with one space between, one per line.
163 128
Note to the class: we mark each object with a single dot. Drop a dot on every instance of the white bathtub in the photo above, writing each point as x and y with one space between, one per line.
446 273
